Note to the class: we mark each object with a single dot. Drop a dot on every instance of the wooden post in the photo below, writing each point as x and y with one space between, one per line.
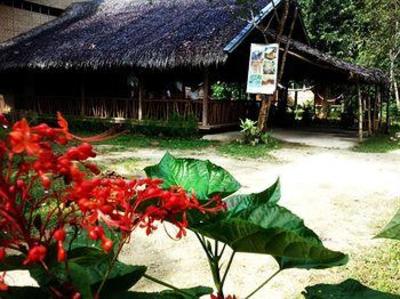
264 112
83 96
388 96
360 114
375 125
140 98
369 115
380 107
205 99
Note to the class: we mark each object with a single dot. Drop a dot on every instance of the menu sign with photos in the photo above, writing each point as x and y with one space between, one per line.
263 69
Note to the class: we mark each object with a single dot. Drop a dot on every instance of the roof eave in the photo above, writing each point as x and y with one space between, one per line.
238 39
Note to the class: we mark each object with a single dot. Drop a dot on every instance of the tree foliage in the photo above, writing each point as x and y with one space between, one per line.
362 31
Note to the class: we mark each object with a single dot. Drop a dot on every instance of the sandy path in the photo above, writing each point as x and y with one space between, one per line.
344 196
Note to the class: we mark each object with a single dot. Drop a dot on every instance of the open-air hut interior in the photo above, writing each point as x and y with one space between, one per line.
140 59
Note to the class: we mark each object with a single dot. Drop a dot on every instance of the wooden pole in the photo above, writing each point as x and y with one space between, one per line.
140 99
282 71
83 96
264 112
376 111
380 107
205 99
360 114
369 115
388 96
266 101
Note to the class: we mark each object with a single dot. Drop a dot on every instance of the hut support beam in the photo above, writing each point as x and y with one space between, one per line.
387 95
83 96
140 99
379 106
205 99
369 115
360 114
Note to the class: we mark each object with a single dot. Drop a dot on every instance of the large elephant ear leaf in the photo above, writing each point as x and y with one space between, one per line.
259 226
245 201
392 230
203 178
86 270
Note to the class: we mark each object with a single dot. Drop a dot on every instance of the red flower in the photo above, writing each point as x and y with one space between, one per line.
59 235
36 254
2 254
84 201
61 253
3 286
22 139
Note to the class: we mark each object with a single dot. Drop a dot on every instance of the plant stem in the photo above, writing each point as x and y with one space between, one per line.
263 284
110 267
204 246
213 261
170 286
228 267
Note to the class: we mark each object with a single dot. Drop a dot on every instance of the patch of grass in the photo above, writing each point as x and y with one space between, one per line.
233 149
378 144
237 150
124 142
380 268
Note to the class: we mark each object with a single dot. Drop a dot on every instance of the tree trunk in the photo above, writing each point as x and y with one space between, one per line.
394 90
266 103
264 113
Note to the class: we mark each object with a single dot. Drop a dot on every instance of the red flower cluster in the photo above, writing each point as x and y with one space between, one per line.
38 173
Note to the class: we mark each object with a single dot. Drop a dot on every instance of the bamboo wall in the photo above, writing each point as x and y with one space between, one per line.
14 21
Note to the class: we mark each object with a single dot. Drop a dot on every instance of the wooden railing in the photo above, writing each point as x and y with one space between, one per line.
220 113
225 112
163 109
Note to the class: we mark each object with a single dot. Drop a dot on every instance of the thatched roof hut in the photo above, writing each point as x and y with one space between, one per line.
158 34
98 58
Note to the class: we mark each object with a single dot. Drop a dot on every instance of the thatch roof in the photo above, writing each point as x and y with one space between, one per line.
147 34
351 72
141 33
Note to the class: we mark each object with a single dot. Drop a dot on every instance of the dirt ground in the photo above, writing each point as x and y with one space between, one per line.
345 197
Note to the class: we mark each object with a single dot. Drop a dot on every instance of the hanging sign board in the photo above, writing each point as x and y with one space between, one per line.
263 69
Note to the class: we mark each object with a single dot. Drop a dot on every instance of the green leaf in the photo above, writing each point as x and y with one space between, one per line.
87 267
392 230
202 177
81 239
23 293
80 278
245 201
256 224
196 292
13 262
347 289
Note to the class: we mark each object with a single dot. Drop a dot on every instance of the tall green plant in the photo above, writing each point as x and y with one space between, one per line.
252 223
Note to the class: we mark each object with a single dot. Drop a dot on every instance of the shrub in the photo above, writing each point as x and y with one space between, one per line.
252 135
176 126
